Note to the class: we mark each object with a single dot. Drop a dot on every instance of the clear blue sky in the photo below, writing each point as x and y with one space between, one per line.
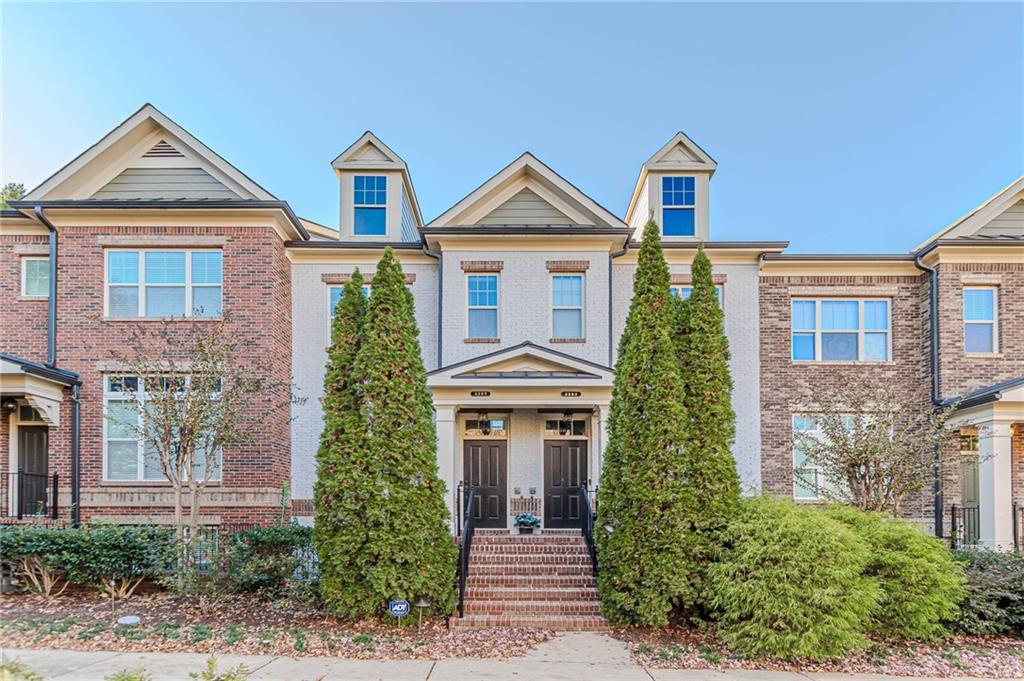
841 127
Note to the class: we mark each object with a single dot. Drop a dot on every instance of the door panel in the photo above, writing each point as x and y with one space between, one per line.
33 460
485 465
565 473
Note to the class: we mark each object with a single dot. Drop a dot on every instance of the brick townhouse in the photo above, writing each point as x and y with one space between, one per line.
521 290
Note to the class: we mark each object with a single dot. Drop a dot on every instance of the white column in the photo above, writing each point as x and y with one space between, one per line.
994 485
446 458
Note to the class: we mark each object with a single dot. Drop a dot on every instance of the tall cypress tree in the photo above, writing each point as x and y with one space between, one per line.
703 352
340 491
409 552
646 498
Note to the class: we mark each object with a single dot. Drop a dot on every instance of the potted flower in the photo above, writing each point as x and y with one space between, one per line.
526 522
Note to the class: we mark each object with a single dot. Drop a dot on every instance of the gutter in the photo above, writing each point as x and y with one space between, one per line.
933 327
76 429
440 297
51 304
611 316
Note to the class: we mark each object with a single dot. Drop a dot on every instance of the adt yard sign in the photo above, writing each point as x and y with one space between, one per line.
399 608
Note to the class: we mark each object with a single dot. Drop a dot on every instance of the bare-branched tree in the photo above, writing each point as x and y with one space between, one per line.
871 445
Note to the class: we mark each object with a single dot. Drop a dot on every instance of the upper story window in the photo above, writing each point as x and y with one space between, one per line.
685 292
125 454
35 277
163 283
482 304
678 201
567 306
370 200
833 330
336 292
980 320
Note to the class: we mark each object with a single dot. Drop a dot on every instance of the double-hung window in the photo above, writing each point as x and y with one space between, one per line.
125 454
685 292
336 292
482 313
35 277
980 320
806 474
678 202
567 306
834 330
370 200
164 283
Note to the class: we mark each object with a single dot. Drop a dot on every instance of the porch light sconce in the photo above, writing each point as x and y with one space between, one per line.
10 406
483 423
565 425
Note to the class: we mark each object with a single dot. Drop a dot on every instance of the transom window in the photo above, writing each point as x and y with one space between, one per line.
336 292
980 320
564 427
834 330
35 277
161 283
370 199
125 455
567 306
487 426
482 290
678 200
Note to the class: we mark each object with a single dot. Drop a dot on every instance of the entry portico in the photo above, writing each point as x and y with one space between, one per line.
526 426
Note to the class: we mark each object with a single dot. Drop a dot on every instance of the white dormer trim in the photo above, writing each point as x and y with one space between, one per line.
527 171
679 157
694 158
351 162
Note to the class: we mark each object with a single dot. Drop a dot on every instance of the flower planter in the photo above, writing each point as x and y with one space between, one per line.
526 530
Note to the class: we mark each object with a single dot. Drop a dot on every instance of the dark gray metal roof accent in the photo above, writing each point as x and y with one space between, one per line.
864 257
525 229
983 395
524 344
528 374
397 245
11 213
166 204
38 369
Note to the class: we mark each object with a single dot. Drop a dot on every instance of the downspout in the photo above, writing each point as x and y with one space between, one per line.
440 296
51 312
933 324
611 316
76 423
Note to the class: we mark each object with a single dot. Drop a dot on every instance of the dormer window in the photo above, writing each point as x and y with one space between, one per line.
678 201
370 201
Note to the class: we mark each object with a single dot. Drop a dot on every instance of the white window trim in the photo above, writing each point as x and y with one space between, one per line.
387 202
109 397
141 285
496 307
330 290
861 331
691 207
582 307
817 434
994 322
24 276
720 288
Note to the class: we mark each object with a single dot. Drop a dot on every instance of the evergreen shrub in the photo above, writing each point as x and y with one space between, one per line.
994 601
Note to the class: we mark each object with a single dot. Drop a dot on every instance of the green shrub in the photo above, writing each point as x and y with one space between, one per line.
790 583
921 585
271 560
994 602
34 554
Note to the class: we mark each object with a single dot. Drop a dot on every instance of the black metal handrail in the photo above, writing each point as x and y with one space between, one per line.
32 495
1018 526
588 514
468 529
965 526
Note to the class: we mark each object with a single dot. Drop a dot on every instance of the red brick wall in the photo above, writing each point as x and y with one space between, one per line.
257 300
22 320
784 383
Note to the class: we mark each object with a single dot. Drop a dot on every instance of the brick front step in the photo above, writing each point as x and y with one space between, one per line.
552 622
476 592
530 570
527 549
541 581
490 540
540 560
536 607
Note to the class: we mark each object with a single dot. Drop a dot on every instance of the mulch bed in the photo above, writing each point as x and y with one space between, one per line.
239 625
683 648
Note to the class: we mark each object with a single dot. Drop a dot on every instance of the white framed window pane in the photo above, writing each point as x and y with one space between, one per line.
979 304
37 277
567 324
206 301
804 423
803 315
151 469
165 267
876 315
839 315
876 347
805 483
483 323
122 460
567 291
200 463
803 346
121 417
839 346
124 301
483 290
206 267
165 301
123 267
978 338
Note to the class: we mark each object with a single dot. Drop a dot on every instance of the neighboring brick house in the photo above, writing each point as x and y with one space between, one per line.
521 291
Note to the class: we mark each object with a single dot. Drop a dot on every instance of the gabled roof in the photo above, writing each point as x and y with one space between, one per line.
150 139
969 225
527 172
679 154
984 395
526 364
370 153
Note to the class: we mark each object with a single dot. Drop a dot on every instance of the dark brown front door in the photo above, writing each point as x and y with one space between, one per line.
485 466
33 461
565 472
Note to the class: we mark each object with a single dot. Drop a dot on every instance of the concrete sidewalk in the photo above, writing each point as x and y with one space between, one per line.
569 657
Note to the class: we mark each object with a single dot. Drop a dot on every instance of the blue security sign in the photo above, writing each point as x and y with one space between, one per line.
398 608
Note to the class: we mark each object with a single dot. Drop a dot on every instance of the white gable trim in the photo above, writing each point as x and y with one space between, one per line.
455 375
134 126
981 215
660 160
488 205
348 158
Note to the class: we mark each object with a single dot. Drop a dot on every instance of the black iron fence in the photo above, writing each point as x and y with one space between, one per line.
467 528
28 495
588 516
1018 526
965 526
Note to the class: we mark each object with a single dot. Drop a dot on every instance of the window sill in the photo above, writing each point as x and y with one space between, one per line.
481 340
840 362
162 319
152 483
41 299
567 340
983 355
